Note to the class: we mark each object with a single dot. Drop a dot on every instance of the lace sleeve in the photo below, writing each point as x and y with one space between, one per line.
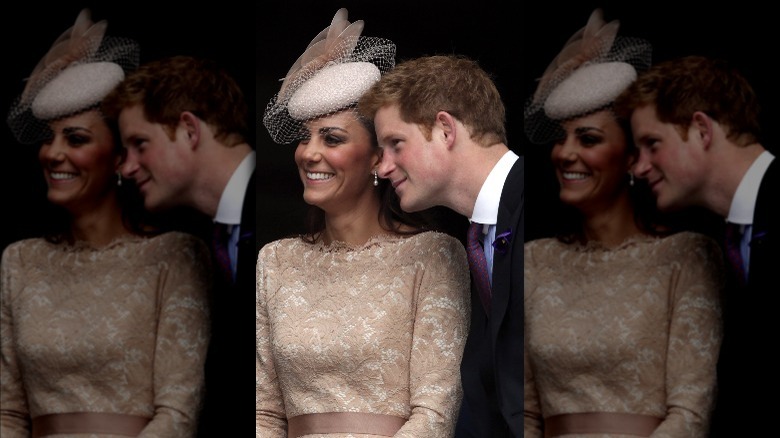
14 414
694 341
531 406
439 336
182 337
271 419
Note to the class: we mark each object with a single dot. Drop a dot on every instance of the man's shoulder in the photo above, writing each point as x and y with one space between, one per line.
767 190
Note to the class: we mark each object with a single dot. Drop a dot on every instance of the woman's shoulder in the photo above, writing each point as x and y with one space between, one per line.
25 247
168 245
545 242
428 246
175 239
432 239
684 242
288 243
541 248
21 245
440 255
284 251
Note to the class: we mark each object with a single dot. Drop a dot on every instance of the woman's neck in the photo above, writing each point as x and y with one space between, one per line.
354 226
611 226
100 225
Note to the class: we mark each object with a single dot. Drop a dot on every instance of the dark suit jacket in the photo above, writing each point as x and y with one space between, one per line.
492 367
747 370
231 307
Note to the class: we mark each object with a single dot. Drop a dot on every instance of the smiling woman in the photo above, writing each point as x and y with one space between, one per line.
78 162
102 298
592 162
367 295
335 160
614 305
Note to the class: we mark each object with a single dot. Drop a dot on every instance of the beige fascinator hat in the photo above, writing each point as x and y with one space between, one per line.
593 68
338 66
79 70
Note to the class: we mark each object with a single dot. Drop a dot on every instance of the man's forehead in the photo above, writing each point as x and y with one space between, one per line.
133 113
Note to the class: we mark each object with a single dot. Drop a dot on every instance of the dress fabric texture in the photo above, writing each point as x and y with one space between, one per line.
634 329
378 329
120 329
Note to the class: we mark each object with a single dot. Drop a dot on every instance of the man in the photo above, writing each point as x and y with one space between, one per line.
183 122
695 121
440 123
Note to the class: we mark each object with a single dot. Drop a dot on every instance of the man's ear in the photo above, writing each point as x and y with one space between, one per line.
377 158
448 127
191 124
701 125
120 159
632 158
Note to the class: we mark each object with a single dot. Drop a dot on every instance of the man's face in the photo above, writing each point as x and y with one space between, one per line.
413 164
160 166
673 167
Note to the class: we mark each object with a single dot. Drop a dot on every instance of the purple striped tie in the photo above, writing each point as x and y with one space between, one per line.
733 251
478 264
220 243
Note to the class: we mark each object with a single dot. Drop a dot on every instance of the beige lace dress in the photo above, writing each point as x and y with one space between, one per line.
121 329
635 329
378 329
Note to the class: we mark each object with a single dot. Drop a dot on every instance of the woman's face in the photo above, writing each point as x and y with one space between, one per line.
79 161
592 161
335 163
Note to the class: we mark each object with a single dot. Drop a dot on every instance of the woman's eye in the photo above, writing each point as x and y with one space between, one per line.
333 139
589 140
78 139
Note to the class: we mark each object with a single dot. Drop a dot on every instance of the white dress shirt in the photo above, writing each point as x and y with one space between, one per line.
486 207
231 203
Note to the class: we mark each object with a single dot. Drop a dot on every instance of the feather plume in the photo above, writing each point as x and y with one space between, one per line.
78 42
332 43
587 44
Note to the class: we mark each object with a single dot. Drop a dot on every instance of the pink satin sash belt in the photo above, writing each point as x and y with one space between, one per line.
600 422
88 422
344 422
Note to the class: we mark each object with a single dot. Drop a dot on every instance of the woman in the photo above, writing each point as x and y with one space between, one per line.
104 324
622 320
361 323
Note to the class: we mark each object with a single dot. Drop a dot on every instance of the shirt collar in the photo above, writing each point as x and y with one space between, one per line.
486 207
744 202
232 199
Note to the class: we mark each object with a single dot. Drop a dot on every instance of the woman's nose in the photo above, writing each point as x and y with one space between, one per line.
52 151
310 151
565 150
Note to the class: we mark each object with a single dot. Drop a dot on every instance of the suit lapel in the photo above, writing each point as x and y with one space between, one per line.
247 252
508 218
764 219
